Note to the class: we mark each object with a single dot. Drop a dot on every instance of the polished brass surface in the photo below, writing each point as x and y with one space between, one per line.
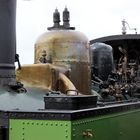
70 49
66 86
88 133
46 76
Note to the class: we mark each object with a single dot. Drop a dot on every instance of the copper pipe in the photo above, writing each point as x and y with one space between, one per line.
67 85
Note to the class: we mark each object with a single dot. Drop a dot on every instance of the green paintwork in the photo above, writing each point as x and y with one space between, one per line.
39 130
119 126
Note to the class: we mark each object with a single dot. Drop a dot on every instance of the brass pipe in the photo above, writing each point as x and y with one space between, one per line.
68 86
46 76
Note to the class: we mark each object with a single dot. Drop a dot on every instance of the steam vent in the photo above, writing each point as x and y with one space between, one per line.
65 47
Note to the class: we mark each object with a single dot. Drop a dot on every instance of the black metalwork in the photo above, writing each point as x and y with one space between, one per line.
64 102
66 18
117 39
7 41
72 114
56 20
4 126
44 58
102 60
17 60
4 133
128 62
18 87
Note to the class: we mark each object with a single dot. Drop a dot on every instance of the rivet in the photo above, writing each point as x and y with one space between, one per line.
56 124
66 130
22 133
73 135
121 133
32 123
41 123
10 128
66 124
23 123
52 115
61 124
66 136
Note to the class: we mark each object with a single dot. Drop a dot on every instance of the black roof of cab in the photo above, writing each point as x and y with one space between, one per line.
117 39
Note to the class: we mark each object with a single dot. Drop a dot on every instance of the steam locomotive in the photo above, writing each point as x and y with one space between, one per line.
74 90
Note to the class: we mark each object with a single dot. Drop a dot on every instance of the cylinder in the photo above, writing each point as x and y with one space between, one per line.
69 49
102 60
7 41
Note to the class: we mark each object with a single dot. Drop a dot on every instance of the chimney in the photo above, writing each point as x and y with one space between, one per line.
7 41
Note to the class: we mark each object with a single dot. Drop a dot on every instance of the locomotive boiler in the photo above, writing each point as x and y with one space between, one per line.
55 97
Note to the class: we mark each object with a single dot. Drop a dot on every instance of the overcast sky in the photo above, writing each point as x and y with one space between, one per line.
95 18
